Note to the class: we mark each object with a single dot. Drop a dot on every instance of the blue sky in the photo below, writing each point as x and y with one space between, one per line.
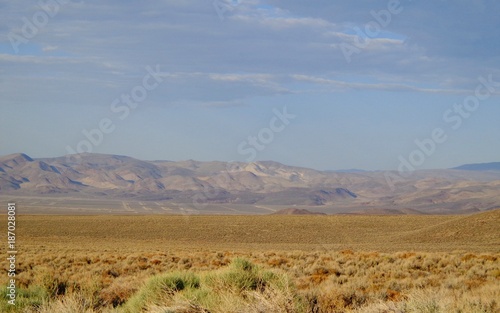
364 80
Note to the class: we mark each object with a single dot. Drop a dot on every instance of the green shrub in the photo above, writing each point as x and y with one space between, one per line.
26 298
160 288
241 287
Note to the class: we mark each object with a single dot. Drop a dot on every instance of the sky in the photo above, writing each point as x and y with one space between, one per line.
322 84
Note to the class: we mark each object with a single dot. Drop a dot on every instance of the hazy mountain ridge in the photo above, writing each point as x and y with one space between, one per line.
494 166
267 182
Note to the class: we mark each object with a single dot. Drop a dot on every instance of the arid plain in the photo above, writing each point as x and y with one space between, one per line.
280 263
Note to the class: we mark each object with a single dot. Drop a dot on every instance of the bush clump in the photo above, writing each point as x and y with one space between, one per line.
242 286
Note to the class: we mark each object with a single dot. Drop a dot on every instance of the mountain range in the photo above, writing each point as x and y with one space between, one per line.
468 188
495 166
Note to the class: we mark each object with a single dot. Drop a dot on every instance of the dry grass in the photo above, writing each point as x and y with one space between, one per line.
324 264
475 233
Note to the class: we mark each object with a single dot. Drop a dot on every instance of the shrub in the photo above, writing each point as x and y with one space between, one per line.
161 288
241 287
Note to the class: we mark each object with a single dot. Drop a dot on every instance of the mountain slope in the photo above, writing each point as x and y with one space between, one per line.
113 175
255 183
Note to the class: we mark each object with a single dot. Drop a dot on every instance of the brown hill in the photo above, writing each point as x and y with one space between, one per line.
294 211
474 228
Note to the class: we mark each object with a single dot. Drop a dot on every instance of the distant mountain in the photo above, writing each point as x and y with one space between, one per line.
251 185
495 166
114 176
350 170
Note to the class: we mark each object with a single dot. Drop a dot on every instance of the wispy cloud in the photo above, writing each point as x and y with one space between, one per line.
337 85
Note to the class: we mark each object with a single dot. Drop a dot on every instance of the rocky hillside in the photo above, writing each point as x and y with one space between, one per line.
268 183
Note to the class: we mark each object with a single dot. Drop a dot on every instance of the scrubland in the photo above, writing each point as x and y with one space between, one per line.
257 264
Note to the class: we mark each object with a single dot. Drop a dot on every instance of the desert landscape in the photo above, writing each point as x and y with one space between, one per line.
249 156
268 237
271 263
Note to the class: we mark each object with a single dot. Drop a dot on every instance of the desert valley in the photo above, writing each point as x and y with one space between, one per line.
108 233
